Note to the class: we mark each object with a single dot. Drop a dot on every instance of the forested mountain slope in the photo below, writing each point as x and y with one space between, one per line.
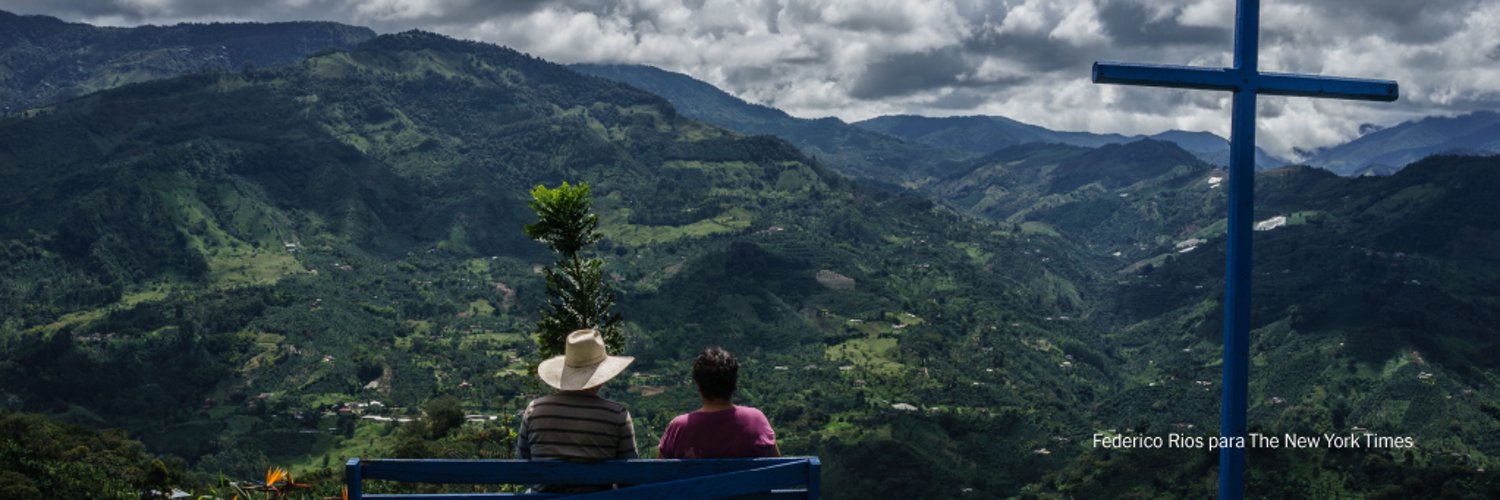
217 262
45 60
237 266
847 149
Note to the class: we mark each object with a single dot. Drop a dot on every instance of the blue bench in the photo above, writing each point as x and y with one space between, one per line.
781 478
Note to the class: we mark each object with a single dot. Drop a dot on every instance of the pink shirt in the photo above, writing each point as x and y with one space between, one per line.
739 432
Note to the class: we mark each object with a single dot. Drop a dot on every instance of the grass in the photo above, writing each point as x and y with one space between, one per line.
369 440
976 254
72 319
230 269
480 307
127 301
1393 365
1218 228
491 339
909 319
420 327
1033 227
478 267
1058 291
458 240
231 261
1303 217
869 354
615 228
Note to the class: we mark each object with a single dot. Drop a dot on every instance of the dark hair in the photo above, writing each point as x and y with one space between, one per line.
716 373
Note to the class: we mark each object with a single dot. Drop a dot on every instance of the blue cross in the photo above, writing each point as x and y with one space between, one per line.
1245 81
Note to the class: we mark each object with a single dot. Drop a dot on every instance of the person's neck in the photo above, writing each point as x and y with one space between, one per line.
710 405
592 391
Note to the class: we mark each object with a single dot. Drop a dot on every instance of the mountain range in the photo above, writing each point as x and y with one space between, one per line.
850 150
211 260
1384 151
987 134
237 266
830 137
45 60
1377 151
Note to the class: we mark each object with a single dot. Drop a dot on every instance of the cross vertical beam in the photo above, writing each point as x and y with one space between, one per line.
1236 337
1245 80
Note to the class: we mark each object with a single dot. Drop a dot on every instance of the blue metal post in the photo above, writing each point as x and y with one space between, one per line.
814 478
1246 81
1237 266
353 481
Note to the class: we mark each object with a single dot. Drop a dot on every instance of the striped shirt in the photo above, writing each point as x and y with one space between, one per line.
575 426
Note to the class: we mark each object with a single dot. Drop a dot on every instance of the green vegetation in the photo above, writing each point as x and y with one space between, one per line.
577 295
844 148
40 458
407 253
98 58
293 266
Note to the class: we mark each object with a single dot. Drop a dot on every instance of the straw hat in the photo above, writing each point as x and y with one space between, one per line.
584 363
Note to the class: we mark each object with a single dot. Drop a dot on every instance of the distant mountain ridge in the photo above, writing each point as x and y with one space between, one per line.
1384 151
45 60
979 133
954 138
864 150
986 134
850 150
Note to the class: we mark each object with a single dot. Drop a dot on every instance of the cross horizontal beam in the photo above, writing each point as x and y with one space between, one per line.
1357 89
1163 75
1231 80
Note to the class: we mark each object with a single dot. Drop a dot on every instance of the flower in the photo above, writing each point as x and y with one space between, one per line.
279 475
276 475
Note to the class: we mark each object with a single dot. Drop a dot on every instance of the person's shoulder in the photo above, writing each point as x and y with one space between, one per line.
617 406
565 402
602 402
750 412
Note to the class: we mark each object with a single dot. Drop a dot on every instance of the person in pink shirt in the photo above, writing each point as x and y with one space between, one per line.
720 429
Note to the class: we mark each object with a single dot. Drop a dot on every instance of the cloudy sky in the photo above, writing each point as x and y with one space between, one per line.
1025 59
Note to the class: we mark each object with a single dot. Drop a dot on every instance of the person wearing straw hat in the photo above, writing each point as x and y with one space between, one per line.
576 424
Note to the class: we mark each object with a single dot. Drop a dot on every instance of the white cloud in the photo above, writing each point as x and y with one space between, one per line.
1032 16
1026 59
1079 27
1208 13
396 10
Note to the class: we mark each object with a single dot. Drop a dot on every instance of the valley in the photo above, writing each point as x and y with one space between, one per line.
294 265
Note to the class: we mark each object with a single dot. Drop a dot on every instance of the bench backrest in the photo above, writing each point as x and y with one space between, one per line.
787 477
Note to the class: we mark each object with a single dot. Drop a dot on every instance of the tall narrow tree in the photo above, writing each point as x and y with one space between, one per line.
577 295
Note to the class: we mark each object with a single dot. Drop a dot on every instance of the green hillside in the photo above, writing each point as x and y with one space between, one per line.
1120 198
45 60
45 459
979 134
1373 300
219 262
844 148
988 134
1372 313
291 266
